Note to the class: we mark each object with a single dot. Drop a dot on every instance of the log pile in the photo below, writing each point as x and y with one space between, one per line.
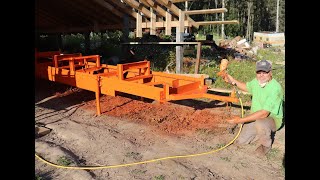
240 48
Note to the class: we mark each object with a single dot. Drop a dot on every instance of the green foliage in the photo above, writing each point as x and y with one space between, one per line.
220 145
200 36
233 30
47 43
38 177
160 177
64 161
228 159
160 56
73 43
134 155
165 37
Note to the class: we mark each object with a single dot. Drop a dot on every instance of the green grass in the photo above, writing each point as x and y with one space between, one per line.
64 161
160 177
38 177
226 159
134 155
216 37
220 145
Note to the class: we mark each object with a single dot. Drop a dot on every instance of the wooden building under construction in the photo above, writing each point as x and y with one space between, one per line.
84 16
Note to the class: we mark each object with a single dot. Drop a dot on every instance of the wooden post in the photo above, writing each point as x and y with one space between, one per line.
153 22
179 38
197 66
168 23
138 25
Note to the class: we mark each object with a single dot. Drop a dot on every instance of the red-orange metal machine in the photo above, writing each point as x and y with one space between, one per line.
87 73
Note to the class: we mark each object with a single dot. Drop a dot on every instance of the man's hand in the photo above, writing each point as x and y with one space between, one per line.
227 78
234 120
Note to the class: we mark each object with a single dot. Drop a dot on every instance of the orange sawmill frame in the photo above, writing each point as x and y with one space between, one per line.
87 73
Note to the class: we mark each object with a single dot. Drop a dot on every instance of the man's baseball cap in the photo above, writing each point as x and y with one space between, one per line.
263 65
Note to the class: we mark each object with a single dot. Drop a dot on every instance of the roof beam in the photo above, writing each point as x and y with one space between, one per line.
77 12
175 10
155 7
217 22
43 19
83 28
50 17
205 11
109 7
98 12
163 24
138 7
124 8
148 2
177 1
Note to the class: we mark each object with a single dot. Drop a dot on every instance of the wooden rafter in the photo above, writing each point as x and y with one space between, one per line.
98 12
52 18
155 7
202 23
77 10
124 8
110 8
163 24
148 2
206 11
44 19
53 13
175 10
82 28
178 1
75 14
134 4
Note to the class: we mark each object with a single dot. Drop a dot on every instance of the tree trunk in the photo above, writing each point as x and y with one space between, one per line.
277 20
216 6
222 19
249 32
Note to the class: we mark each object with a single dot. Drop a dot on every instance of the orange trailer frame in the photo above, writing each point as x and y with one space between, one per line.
87 73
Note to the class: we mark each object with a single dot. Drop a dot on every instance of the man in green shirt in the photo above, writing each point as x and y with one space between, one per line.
266 113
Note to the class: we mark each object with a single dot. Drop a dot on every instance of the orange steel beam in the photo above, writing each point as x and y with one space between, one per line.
59 58
87 73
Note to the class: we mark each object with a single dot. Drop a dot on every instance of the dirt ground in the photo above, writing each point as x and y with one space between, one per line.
175 140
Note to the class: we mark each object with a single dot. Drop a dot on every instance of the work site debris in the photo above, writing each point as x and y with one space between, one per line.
239 48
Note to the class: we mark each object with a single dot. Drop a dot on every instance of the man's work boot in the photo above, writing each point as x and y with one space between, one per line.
262 150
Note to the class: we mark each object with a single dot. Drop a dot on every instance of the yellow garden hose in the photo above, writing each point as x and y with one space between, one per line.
143 162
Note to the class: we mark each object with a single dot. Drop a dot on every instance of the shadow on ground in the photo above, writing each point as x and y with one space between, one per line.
47 89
